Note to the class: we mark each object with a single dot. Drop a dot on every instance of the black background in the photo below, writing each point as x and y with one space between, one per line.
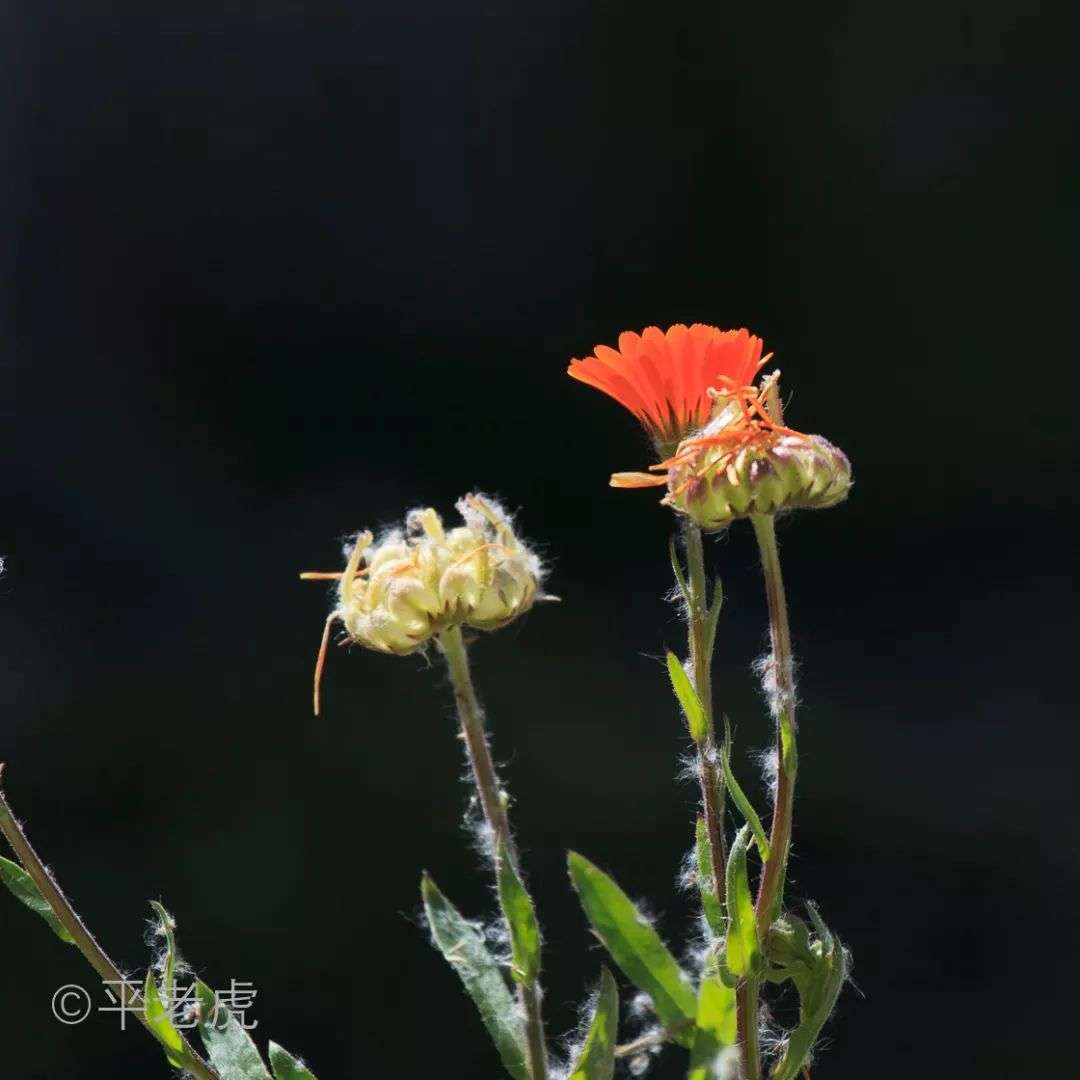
274 277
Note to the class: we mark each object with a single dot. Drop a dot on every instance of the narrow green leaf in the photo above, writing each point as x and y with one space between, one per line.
596 1059
740 799
716 1027
467 954
520 914
711 906
712 617
688 698
168 964
286 1067
23 888
231 1049
160 1023
634 945
742 952
676 566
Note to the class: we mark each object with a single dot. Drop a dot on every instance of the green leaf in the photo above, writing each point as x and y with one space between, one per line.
168 965
716 1027
742 952
160 1023
688 698
23 888
467 954
713 616
634 945
711 906
596 1059
817 998
789 953
231 1049
520 914
286 1067
739 796
676 566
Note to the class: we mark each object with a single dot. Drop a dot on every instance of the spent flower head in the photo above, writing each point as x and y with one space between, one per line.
395 594
726 452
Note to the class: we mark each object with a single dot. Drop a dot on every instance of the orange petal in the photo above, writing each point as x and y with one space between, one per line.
636 480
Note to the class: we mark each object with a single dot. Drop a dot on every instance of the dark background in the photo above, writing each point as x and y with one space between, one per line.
274 277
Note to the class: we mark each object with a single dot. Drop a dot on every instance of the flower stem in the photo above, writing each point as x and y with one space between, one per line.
471 718
702 623
701 634
99 960
746 1003
770 891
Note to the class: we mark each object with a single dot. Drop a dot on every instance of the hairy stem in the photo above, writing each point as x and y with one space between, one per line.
747 1008
701 645
702 624
98 959
471 718
770 891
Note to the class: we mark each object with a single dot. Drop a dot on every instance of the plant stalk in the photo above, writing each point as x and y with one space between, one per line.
95 955
746 1003
471 718
701 645
701 632
770 891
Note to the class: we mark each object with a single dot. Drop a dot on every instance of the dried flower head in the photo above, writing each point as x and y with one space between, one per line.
664 377
396 594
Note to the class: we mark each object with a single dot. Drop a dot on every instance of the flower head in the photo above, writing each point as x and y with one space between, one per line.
726 452
664 377
737 467
744 461
396 594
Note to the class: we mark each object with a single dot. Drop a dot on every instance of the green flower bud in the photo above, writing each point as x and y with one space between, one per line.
745 462
768 472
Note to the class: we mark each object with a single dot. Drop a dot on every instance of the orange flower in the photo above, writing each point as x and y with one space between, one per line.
664 377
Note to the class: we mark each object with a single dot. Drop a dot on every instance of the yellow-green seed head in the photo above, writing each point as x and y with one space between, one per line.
398 593
732 469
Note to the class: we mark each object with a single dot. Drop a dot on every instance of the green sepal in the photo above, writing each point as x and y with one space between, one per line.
229 1047
635 946
692 709
596 1058
742 952
520 913
711 905
466 953
739 796
160 1023
23 888
818 987
286 1067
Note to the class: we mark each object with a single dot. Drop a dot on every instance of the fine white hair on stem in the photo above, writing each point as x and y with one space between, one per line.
769 763
689 769
765 669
